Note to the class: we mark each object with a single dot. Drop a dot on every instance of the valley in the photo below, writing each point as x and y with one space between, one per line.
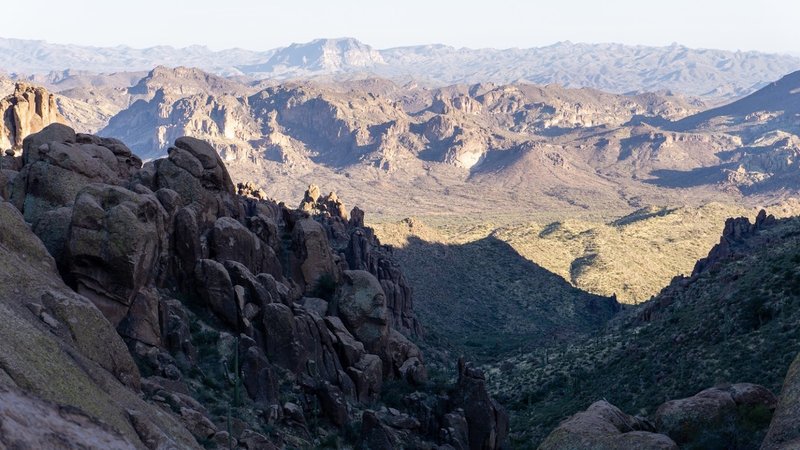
578 230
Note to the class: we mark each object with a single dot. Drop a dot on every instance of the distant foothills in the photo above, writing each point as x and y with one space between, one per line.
611 67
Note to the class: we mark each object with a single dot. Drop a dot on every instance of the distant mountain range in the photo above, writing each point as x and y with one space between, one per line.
611 67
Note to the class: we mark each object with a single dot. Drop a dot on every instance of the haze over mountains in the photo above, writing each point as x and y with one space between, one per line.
527 209
610 67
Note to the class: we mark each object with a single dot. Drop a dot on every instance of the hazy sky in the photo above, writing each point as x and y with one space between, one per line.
767 25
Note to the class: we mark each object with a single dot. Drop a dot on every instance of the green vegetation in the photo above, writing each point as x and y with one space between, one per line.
739 322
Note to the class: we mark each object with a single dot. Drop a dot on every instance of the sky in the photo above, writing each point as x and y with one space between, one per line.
764 25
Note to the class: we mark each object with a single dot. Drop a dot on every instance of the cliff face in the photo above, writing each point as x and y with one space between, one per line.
231 312
27 110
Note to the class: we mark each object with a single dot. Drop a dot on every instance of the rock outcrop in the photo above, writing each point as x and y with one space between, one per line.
720 417
62 365
223 302
734 416
26 111
604 427
736 230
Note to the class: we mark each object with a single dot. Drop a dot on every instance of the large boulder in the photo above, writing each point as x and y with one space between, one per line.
364 252
115 244
60 163
195 171
230 240
733 416
361 304
784 431
258 377
604 427
215 290
311 259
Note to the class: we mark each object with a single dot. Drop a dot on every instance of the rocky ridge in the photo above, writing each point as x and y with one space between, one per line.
611 67
251 324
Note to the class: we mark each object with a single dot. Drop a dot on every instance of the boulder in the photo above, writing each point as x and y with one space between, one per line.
267 230
404 358
6 181
367 374
56 345
255 441
363 252
195 171
176 333
186 246
310 258
604 427
455 431
53 230
375 434
733 416
361 304
57 170
215 290
115 243
229 240
28 423
281 345
333 403
784 430
258 378
349 349
254 290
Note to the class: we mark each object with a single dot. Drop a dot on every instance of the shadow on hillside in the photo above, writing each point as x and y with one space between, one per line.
654 121
688 178
484 299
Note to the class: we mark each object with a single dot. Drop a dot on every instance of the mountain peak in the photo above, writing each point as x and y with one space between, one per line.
321 55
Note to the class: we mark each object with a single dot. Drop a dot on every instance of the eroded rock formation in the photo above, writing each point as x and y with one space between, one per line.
228 301
27 110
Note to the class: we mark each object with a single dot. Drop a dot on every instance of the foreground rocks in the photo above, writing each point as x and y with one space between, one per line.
231 313
722 417
784 430
733 416
63 368
603 426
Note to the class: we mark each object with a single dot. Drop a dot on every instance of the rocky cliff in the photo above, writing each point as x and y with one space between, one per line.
27 110
193 312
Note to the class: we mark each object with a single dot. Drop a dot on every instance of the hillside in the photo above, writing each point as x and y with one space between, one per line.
733 320
777 102
479 297
632 257
455 149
